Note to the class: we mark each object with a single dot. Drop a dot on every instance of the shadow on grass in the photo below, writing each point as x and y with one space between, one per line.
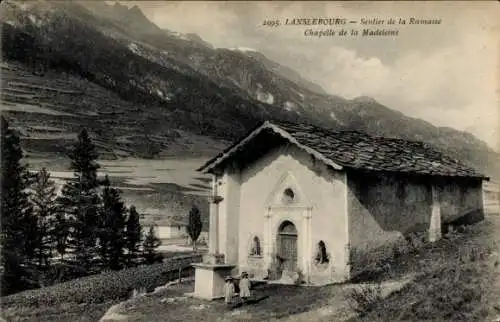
250 301
279 301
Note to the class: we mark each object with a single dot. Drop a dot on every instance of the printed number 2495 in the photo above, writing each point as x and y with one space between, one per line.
271 23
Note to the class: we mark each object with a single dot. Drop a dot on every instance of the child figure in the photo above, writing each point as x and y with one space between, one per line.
229 290
244 287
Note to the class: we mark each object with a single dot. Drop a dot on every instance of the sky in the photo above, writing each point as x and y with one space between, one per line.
447 74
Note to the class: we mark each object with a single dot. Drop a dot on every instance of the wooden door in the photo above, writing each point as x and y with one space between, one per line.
287 246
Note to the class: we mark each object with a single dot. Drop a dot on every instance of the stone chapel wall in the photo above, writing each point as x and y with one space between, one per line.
386 210
263 183
383 210
461 200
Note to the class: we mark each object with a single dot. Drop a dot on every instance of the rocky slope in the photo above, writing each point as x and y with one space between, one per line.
143 90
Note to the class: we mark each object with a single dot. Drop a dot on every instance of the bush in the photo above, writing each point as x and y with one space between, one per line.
416 241
471 253
299 278
275 268
109 285
364 298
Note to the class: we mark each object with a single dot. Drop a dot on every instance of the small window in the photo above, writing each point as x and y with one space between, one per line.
255 250
321 254
288 196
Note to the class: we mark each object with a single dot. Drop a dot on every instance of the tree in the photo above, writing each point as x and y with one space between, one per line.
31 240
43 199
133 236
194 225
112 230
16 213
149 246
60 233
80 201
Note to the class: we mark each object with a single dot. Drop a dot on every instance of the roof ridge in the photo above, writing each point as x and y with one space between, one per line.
356 149
277 123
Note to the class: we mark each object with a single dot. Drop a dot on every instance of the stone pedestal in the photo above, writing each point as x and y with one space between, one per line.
209 280
210 275
213 259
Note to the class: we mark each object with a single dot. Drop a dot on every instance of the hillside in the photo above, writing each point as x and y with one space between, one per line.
149 92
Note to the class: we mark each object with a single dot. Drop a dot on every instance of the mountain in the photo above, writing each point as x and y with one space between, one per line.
147 91
285 72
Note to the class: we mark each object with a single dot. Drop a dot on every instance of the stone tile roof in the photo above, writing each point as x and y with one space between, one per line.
360 151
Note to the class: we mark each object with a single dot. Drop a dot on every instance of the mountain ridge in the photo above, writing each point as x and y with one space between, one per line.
186 84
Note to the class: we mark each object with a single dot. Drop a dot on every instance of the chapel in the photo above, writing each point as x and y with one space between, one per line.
322 202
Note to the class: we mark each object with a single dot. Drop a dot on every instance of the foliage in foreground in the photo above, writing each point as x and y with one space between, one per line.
17 214
109 285
86 225
364 298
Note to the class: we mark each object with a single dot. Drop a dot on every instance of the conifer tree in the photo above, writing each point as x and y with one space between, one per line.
112 232
31 240
150 245
80 201
43 199
60 234
133 236
15 210
194 225
103 227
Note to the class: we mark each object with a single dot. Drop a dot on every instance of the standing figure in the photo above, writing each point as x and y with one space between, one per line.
244 287
229 290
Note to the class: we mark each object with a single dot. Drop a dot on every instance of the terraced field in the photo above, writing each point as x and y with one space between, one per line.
48 111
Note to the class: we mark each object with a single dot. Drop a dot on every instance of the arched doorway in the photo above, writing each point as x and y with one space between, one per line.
287 245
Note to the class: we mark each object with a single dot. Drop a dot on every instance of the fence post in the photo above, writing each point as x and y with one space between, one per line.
180 275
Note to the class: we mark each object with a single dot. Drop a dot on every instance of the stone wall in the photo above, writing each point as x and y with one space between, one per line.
385 210
461 201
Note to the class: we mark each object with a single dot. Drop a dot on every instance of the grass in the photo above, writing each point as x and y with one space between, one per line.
88 298
454 281
64 312
270 301
364 298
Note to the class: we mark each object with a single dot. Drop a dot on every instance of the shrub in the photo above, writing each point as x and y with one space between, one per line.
299 277
416 241
471 253
363 298
276 268
451 232
109 285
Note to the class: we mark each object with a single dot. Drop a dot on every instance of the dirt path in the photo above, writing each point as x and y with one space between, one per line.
337 310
